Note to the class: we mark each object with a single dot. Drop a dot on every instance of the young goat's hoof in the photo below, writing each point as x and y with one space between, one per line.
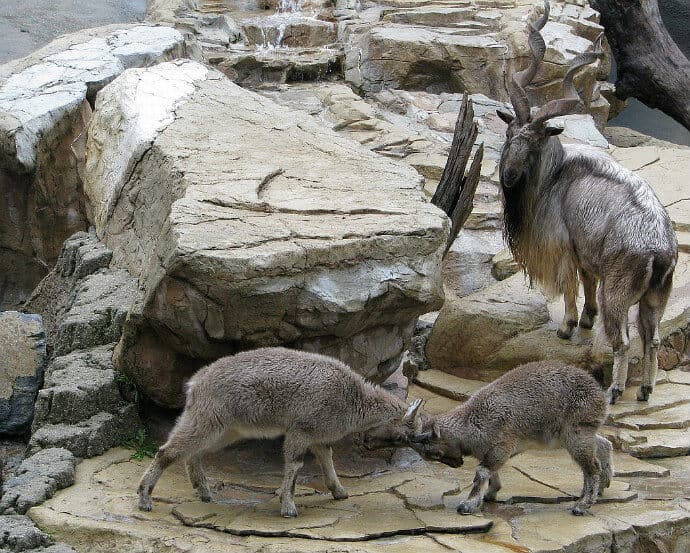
613 393
206 498
145 503
644 392
339 493
579 509
467 508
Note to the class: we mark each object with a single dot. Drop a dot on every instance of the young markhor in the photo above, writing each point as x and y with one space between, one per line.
546 404
311 399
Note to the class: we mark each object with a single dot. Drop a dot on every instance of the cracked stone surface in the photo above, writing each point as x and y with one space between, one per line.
46 100
243 248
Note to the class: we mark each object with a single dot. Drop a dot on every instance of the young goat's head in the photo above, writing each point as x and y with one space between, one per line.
397 432
434 445
527 133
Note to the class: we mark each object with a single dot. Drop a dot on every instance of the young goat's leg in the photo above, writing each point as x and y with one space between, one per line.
581 443
294 448
570 317
494 487
188 438
590 310
487 468
198 478
605 456
324 454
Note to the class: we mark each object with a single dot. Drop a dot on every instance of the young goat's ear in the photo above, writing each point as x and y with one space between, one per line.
411 412
505 116
437 430
553 131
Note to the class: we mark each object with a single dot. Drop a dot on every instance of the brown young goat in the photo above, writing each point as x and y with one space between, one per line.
311 399
570 209
543 403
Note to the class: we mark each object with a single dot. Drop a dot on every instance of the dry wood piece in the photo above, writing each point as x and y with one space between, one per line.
455 191
651 67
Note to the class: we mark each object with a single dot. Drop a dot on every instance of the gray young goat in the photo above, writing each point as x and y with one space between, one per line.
542 403
311 399
570 209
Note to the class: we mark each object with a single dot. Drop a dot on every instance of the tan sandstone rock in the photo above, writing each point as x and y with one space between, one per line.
266 229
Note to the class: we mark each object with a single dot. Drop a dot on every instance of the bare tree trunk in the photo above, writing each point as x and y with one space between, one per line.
455 191
651 67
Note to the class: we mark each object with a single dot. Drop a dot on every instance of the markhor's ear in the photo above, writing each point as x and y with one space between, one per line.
505 116
553 131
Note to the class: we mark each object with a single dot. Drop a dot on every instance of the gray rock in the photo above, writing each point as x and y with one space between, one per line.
78 386
22 363
97 314
83 303
37 478
90 437
18 533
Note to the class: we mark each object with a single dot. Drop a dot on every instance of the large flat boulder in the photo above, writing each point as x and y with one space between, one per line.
22 362
248 224
45 103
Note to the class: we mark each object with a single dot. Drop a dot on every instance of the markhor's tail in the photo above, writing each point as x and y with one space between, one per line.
662 269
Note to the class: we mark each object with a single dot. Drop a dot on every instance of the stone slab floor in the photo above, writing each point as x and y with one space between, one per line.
398 502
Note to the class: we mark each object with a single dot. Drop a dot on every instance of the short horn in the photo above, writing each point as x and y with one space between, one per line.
411 412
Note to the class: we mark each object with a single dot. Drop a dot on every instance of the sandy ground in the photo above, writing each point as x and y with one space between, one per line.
26 25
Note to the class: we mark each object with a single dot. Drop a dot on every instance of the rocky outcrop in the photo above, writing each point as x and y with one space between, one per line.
37 479
274 231
18 534
435 47
22 362
45 104
84 303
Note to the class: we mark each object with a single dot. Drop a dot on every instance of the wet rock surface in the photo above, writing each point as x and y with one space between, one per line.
22 363
391 497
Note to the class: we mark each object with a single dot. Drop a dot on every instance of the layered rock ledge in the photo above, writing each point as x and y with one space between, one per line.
45 104
248 224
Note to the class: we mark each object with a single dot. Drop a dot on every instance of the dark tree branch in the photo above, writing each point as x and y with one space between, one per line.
651 67
455 192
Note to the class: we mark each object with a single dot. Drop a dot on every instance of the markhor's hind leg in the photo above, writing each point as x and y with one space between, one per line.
652 306
590 310
570 317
